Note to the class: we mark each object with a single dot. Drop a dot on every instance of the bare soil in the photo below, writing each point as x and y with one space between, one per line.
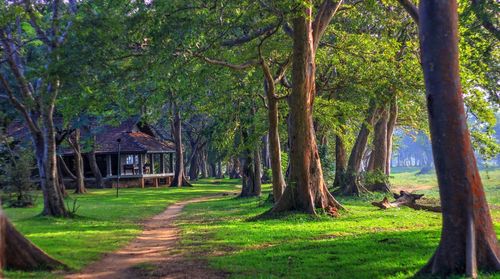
153 254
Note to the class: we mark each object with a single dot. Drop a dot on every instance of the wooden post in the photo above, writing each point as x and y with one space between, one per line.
162 162
155 181
142 182
141 164
109 171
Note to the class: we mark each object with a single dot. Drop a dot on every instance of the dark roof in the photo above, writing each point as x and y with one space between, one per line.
134 138
131 142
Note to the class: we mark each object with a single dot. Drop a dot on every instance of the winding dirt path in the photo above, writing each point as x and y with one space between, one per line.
152 254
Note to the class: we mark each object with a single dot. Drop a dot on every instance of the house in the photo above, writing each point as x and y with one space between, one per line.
131 154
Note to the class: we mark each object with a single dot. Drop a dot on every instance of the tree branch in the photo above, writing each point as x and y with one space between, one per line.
485 21
411 9
18 105
248 37
325 14
238 67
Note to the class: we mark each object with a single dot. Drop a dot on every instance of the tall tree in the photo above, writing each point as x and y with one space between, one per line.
468 242
307 189
35 98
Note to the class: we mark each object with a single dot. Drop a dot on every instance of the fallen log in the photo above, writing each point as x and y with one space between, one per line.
17 252
406 199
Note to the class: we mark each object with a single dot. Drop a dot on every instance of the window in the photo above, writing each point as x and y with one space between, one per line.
132 159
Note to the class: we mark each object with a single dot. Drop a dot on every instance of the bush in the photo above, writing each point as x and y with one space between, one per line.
18 188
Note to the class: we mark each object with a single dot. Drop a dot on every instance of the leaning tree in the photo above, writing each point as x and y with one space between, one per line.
17 252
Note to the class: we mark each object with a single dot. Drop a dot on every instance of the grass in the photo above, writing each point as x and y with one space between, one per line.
103 223
363 243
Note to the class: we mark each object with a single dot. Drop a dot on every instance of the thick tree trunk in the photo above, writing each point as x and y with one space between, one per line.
307 189
46 158
194 165
251 172
179 176
391 125
18 253
378 156
235 171
468 241
340 162
95 169
351 184
74 141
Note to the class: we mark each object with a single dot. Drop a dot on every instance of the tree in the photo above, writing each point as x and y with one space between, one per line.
35 98
468 242
306 189
17 252
179 176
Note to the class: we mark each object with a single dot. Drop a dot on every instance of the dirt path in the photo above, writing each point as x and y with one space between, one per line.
152 254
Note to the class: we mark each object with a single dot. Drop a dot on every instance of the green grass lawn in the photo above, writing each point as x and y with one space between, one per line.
104 222
363 242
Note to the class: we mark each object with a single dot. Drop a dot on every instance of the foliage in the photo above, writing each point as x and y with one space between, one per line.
16 173
375 177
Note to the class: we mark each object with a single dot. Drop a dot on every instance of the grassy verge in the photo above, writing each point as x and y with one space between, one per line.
104 222
363 243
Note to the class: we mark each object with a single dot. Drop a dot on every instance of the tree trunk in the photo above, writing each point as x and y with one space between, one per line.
179 176
45 154
235 168
278 179
74 141
194 164
219 173
307 189
62 186
95 168
204 163
391 125
379 154
351 184
251 171
18 253
340 162
266 157
468 241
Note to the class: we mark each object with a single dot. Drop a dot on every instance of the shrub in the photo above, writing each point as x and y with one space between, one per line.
15 177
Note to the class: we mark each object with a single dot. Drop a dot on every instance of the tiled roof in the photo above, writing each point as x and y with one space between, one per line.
132 138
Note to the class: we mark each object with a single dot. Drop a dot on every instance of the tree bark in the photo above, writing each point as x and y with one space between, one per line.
235 168
17 252
468 241
278 179
340 162
266 157
74 141
179 176
378 156
391 125
351 184
45 154
251 171
95 169
307 189
62 186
